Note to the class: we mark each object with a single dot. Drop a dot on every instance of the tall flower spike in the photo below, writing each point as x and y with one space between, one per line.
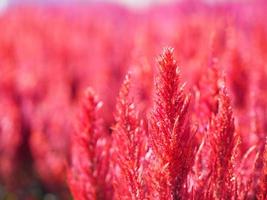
86 172
130 147
206 105
170 136
224 142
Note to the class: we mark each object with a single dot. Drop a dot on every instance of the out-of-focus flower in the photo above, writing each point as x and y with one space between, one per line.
90 154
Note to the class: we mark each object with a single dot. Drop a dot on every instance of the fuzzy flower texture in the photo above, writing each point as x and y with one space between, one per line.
160 154
107 103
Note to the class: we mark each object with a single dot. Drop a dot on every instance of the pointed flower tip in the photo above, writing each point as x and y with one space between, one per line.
167 54
90 96
168 51
124 91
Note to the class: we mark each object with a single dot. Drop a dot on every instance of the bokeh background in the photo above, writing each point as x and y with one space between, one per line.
50 51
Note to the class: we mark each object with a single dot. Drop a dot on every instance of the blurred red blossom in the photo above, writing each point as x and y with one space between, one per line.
90 153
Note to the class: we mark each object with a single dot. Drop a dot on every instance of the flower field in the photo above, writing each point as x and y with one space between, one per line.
101 102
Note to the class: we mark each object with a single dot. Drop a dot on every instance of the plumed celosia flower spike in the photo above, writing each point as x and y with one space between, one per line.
206 105
86 179
223 143
130 147
170 133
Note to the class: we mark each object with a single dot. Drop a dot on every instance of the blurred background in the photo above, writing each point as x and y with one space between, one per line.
128 3
51 50
133 4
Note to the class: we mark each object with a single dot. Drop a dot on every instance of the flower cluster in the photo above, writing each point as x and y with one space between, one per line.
172 153
190 126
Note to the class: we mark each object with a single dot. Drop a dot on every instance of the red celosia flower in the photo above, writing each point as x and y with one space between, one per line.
205 106
130 144
171 137
223 143
88 173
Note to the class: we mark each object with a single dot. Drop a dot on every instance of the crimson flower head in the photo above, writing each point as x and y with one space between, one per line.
170 135
89 153
223 143
130 144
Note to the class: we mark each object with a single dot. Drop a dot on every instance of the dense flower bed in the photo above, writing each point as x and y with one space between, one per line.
92 102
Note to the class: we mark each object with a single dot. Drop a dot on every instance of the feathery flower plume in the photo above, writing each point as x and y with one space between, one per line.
171 137
129 139
205 106
89 153
223 142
